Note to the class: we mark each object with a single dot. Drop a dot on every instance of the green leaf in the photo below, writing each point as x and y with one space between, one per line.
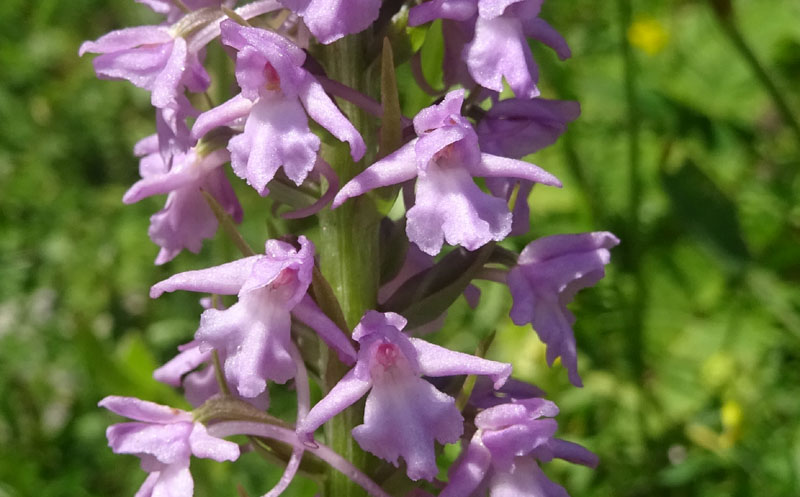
326 300
428 294
393 249
416 36
391 132
432 53
391 136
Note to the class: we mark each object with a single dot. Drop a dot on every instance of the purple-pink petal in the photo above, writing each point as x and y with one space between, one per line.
435 360
572 452
402 418
165 86
468 470
146 489
493 166
205 446
139 65
489 9
187 360
395 168
458 10
517 439
550 247
322 109
272 45
221 115
539 29
330 20
344 394
307 312
286 269
127 38
499 50
524 478
146 146
174 481
276 135
174 136
441 114
517 127
188 171
142 410
166 442
185 221
150 58
450 206
253 334
431 144
549 273
226 279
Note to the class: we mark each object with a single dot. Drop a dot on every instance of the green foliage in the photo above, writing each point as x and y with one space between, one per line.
689 349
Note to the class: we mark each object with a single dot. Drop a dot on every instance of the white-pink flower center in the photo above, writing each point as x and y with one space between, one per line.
387 354
273 79
445 154
285 277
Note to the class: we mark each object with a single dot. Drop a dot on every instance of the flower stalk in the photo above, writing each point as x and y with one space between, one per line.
349 257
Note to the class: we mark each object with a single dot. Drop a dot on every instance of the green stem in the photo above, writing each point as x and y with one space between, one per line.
219 374
727 22
182 6
469 381
348 245
228 225
633 238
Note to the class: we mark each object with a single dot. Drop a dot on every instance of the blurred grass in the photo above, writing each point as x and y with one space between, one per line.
711 409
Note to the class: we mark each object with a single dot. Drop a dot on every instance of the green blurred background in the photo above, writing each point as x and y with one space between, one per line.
689 349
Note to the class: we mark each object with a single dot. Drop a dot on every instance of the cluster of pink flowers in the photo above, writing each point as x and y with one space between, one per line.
505 426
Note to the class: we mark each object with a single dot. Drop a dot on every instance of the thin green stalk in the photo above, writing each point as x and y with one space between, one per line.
182 6
236 17
348 245
228 225
469 381
633 235
637 293
724 14
219 374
